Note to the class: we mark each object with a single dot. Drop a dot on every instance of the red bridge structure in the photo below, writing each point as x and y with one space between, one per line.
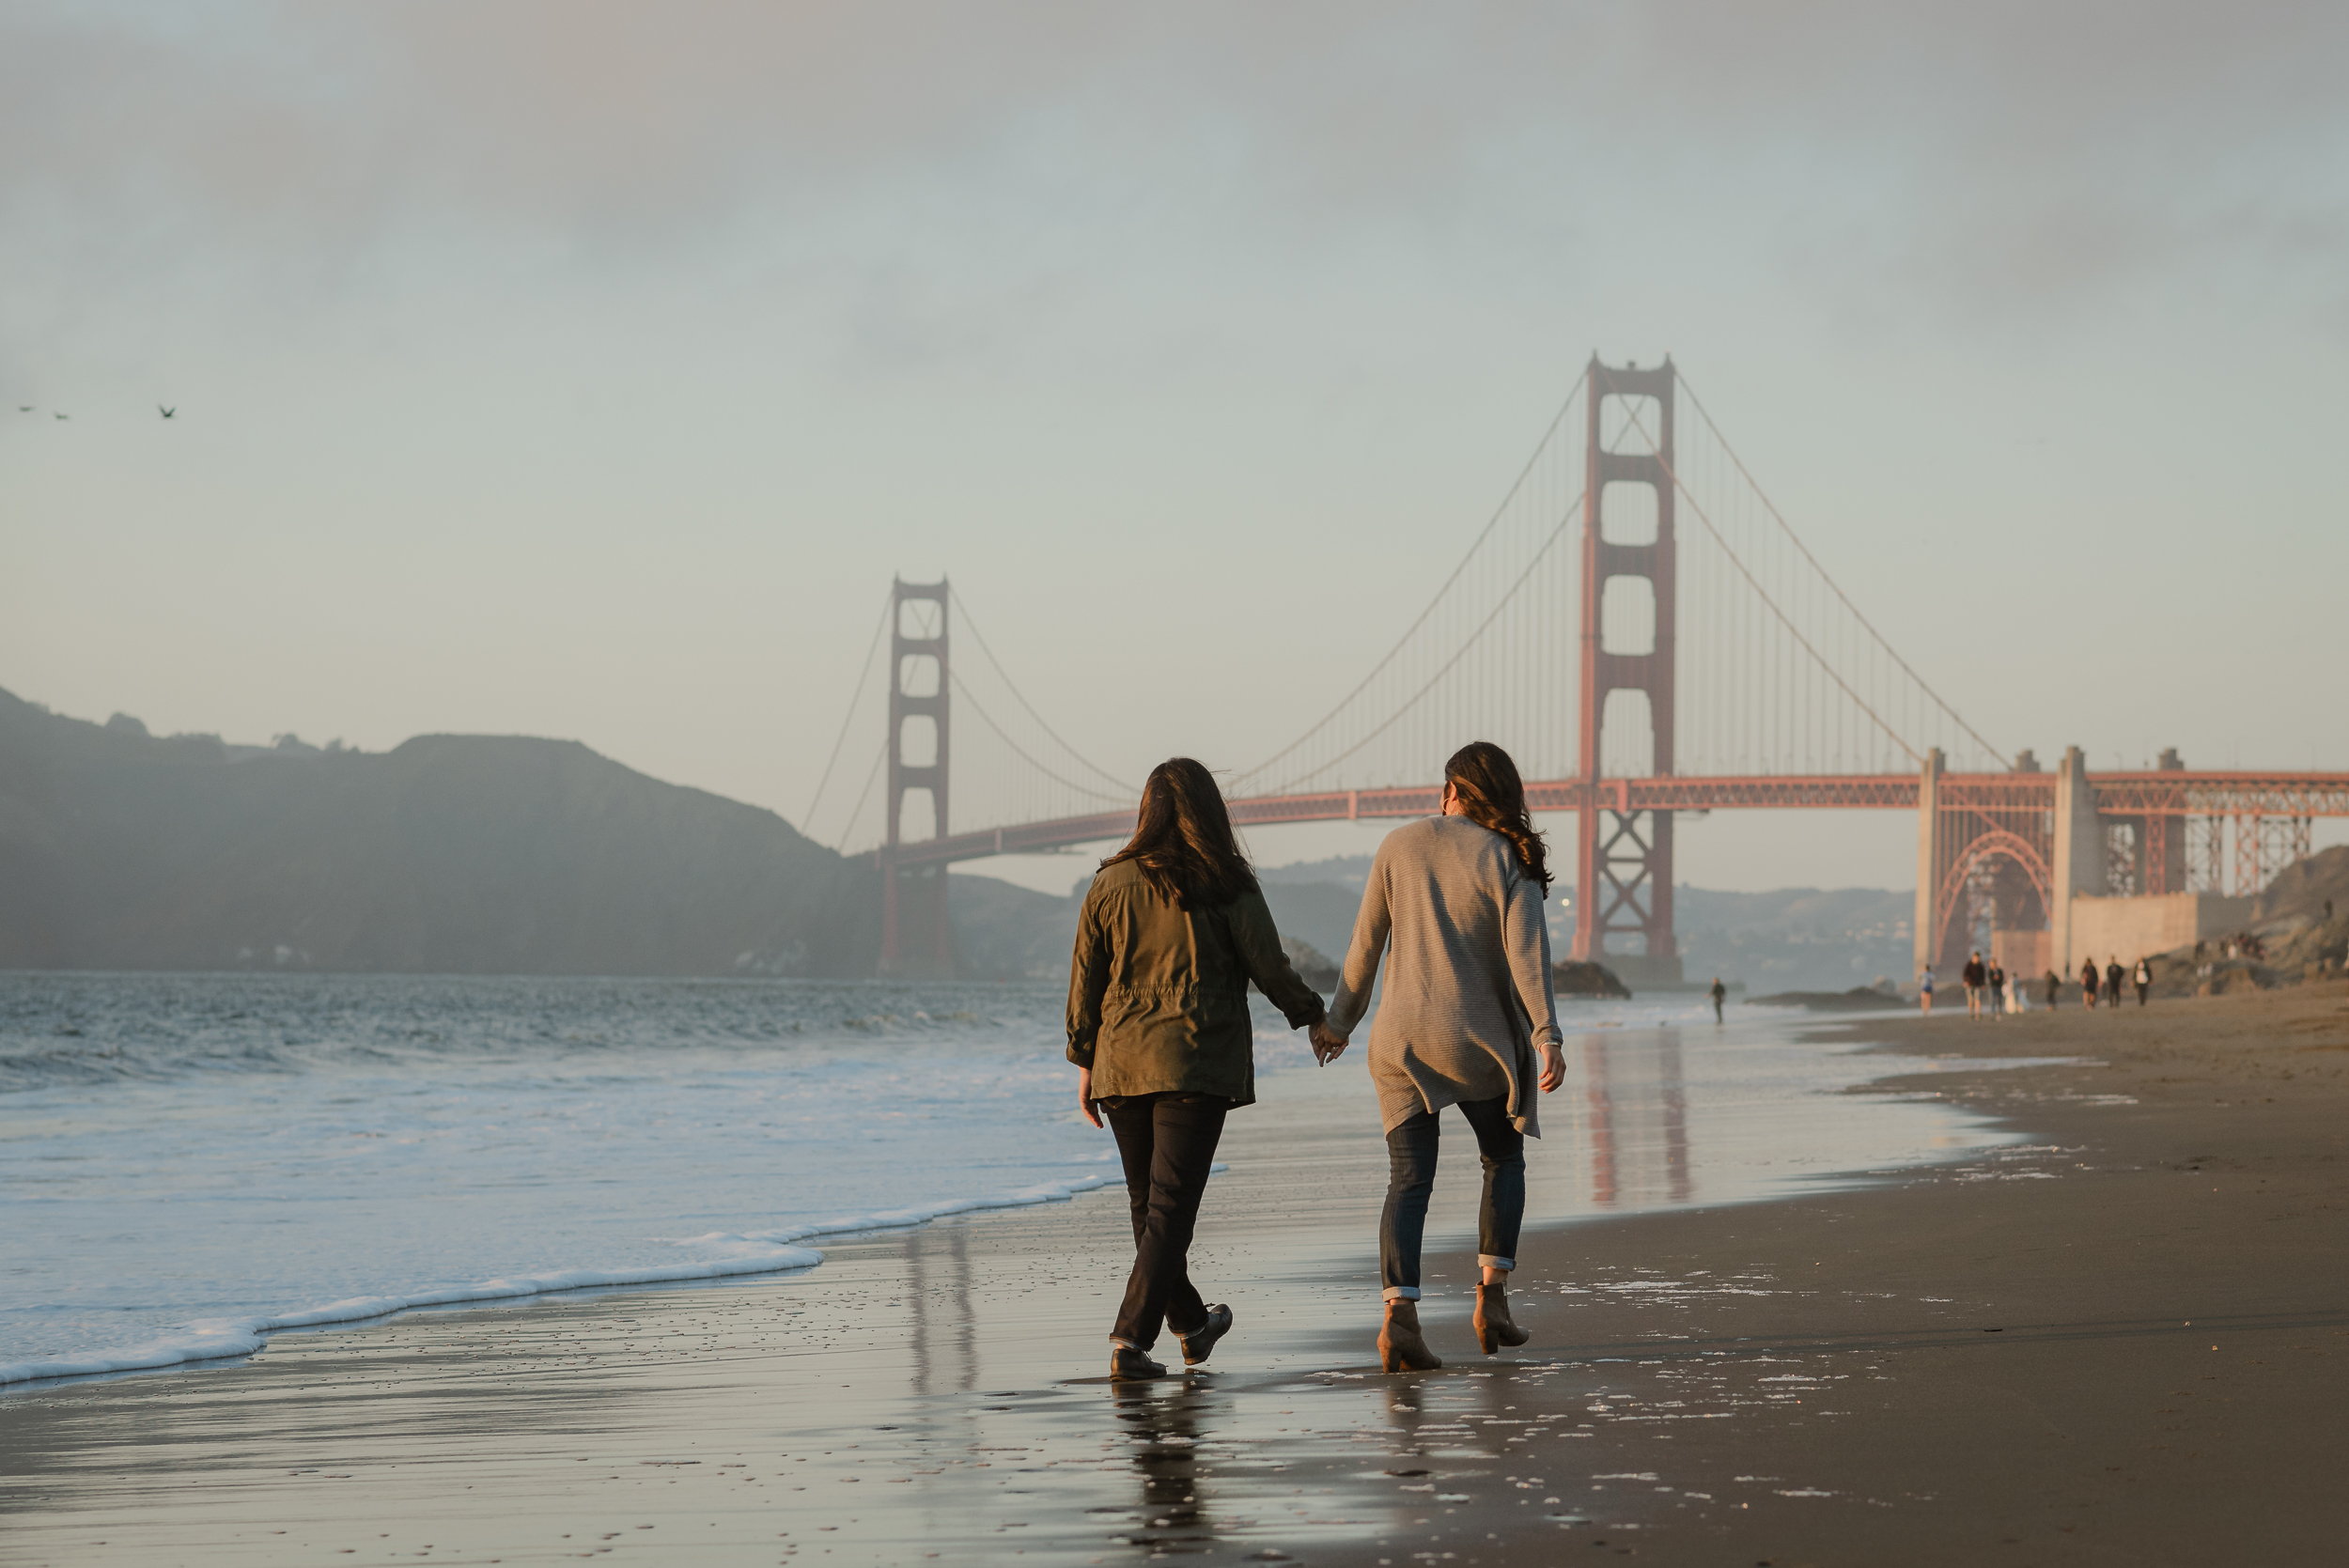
1558 635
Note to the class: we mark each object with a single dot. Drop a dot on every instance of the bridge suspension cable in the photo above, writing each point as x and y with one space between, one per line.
856 704
1794 631
1706 415
1126 791
1539 500
1446 668
1121 795
856 812
1779 669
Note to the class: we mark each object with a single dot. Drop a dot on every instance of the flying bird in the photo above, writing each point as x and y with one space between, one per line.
24 408
65 416
165 412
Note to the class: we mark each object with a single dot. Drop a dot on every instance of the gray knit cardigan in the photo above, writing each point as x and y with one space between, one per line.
1467 1001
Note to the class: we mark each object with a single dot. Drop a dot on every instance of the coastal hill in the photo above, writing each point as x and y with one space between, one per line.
506 854
448 854
1793 939
2302 890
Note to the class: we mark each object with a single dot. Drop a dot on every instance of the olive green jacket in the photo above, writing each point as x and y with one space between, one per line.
1157 995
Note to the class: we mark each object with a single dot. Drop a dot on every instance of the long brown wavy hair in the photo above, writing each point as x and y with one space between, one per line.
1493 795
1183 839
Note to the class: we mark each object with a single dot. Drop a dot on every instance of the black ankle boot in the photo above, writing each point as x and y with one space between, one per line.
1200 1340
1132 1366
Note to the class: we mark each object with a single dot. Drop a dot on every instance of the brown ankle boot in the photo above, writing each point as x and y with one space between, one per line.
1400 1347
1494 1327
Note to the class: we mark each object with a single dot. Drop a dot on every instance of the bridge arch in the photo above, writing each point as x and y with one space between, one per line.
1987 852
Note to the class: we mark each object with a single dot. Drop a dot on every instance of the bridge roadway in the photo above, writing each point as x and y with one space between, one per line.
2166 793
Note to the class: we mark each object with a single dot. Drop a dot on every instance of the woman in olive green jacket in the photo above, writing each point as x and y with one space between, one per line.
1174 929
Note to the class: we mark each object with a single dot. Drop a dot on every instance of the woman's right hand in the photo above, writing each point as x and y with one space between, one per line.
1085 1102
1553 1069
1329 1045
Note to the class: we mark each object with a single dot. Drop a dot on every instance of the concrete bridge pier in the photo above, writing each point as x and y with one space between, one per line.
1925 928
2076 868
2078 857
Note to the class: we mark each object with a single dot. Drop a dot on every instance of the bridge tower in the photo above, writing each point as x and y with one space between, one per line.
916 939
1623 872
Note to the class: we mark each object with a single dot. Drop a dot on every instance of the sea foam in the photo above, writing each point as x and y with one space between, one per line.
196 1162
759 1252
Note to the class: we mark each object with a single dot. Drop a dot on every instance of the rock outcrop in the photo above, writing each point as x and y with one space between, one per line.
1574 978
1312 966
1859 998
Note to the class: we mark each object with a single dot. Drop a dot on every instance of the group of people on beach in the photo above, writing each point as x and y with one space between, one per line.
1988 993
1174 930
2110 982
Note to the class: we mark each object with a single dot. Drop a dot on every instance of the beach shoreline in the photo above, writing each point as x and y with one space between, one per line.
2009 1356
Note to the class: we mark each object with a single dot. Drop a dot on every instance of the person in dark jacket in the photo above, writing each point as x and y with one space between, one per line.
2088 984
2055 989
1976 976
1173 931
2114 975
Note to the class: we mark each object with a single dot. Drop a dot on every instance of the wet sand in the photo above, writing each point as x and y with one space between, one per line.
2123 1340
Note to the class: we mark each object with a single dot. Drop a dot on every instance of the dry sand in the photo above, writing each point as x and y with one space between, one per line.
2123 1340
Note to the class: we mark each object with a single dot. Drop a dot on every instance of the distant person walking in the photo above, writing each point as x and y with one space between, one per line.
1719 993
2055 989
1975 978
2088 984
2114 975
1998 989
1925 992
1453 903
1173 931
2144 978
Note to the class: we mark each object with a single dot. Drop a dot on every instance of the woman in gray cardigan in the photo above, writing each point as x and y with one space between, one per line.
1456 901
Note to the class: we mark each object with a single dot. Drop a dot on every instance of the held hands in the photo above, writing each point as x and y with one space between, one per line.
1553 1069
1085 1102
1329 1045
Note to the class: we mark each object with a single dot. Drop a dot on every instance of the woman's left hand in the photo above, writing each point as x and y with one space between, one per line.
1553 1069
1085 1102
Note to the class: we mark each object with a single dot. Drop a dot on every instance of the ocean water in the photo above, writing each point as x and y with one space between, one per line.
189 1162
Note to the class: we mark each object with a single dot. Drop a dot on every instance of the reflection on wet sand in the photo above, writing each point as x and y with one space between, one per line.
945 1351
1162 1422
1635 1119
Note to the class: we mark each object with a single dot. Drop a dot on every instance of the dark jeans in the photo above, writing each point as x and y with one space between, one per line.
1168 1143
1411 1164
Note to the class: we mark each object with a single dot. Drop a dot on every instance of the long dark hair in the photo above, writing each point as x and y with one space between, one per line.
1183 839
1493 795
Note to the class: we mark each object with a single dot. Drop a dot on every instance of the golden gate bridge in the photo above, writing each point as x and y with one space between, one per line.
1560 634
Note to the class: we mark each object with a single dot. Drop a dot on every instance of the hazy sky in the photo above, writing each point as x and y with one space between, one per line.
586 370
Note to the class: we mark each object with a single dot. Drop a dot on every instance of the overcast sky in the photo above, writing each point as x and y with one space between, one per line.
586 370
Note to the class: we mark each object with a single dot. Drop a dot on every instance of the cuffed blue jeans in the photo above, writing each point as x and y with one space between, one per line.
1412 1177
